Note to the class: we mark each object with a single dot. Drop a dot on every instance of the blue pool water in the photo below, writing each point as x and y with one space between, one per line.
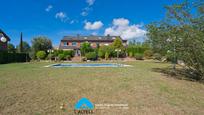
88 65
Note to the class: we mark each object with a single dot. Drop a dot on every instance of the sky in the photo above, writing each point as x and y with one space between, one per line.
57 18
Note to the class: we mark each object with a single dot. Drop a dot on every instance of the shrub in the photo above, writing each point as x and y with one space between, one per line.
85 48
61 57
102 51
50 56
68 57
91 56
130 54
69 52
107 56
148 54
101 54
157 56
139 56
41 54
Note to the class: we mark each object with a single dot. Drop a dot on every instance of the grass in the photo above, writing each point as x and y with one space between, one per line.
35 90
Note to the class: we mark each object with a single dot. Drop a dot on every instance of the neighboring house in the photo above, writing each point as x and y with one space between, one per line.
3 41
74 42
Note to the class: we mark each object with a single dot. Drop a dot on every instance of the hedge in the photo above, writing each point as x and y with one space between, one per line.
13 57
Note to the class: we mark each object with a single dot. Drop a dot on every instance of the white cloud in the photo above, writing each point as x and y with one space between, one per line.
93 26
84 13
73 21
48 8
121 22
121 27
86 10
90 2
62 16
94 33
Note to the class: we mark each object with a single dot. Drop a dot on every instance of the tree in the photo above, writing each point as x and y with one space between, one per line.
21 43
25 47
11 48
118 44
85 48
181 33
41 54
40 44
106 50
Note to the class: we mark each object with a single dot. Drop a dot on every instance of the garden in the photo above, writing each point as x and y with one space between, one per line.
166 74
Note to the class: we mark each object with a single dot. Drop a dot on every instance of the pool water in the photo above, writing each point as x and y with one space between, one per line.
88 65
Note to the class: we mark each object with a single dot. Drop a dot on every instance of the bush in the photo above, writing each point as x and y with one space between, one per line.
157 56
50 56
102 51
148 54
139 56
69 52
91 56
107 56
130 54
61 57
101 54
68 57
85 48
41 54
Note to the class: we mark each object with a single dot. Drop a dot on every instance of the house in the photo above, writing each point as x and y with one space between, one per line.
4 39
74 42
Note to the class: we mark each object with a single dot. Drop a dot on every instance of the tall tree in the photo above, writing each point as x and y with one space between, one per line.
118 44
21 43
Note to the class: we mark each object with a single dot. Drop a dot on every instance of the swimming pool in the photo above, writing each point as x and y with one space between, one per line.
88 65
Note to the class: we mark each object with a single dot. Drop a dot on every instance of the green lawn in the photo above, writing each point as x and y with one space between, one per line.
32 89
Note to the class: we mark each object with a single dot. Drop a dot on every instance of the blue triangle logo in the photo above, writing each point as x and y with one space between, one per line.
84 104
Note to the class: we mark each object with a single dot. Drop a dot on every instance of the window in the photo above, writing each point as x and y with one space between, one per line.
74 43
65 43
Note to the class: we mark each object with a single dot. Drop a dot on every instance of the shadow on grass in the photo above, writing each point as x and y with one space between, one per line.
179 73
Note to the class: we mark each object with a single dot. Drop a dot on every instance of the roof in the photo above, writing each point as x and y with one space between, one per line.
91 38
1 31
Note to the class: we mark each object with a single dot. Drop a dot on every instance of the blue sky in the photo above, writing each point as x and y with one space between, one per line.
58 18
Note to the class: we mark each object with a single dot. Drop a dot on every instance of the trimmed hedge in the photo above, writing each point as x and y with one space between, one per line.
13 57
